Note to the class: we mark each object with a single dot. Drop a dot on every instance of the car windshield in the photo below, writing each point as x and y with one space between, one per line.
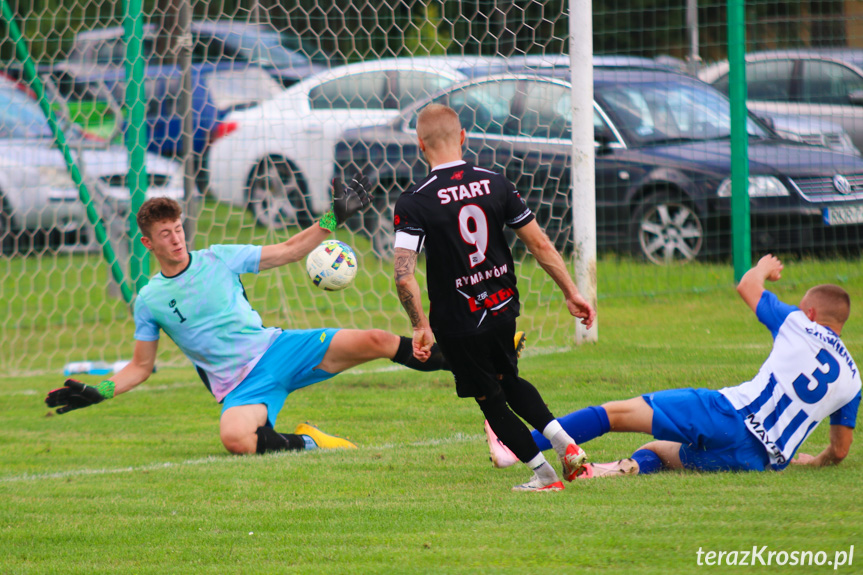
266 48
662 112
21 117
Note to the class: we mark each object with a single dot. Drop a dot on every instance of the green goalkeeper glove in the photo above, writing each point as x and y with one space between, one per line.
75 395
347 200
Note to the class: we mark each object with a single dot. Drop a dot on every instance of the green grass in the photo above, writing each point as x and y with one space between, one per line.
141 484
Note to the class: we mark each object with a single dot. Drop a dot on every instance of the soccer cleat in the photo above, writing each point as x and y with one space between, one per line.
501 455
324 440
573 461
536 484
520 340
614 469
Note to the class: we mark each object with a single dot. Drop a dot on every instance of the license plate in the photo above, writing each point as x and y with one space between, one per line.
843 215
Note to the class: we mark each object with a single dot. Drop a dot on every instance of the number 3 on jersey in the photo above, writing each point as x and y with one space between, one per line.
472 216
823 379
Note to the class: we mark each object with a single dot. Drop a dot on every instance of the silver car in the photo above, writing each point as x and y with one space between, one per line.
38 199
812 131
822 83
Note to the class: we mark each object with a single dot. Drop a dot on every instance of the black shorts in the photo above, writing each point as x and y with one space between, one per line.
478 361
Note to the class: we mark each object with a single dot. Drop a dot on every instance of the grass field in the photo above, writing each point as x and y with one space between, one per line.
141 484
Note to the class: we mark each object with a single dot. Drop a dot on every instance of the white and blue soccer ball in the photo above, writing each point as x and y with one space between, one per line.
332 265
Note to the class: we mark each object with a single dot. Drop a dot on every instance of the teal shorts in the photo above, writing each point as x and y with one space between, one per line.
288 365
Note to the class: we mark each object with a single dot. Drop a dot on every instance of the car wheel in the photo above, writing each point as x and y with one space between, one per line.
665 229
276 196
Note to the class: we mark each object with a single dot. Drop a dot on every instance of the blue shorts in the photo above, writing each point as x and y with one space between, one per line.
288 365
712 433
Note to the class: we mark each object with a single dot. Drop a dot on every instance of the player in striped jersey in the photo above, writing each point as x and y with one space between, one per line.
757 425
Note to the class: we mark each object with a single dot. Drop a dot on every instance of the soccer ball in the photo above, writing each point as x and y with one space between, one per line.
332 265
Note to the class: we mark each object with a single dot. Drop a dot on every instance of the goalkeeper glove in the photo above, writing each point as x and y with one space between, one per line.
75 395
347 200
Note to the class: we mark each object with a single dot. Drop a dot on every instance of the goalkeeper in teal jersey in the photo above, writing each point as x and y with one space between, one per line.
198 300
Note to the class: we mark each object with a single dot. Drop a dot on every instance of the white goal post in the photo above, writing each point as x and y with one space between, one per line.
583 158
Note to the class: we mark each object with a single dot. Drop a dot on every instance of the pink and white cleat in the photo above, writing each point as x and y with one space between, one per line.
535 484
573 461
501 456
614 469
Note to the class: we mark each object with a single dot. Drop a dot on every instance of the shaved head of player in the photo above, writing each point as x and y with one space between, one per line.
827 304
439 134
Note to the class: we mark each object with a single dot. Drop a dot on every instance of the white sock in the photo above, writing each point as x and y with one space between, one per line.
559 438
542 469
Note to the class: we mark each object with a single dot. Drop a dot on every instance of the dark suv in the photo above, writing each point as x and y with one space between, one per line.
662 165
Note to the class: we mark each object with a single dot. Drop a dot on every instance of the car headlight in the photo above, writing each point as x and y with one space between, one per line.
55 177
759 187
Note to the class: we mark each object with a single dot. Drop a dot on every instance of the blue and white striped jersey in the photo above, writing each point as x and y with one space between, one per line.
808 376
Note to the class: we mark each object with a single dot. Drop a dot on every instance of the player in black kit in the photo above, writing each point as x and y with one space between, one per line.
458 213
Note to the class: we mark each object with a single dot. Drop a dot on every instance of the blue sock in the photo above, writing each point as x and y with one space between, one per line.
582 425
648 461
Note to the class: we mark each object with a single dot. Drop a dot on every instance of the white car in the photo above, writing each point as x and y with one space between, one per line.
278 161
37 194
811 130
825 84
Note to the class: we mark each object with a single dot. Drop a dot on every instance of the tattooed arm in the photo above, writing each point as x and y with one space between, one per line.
409 295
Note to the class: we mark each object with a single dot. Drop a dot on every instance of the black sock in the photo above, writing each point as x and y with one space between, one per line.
526 401
295 442
270 440
509 428
405 357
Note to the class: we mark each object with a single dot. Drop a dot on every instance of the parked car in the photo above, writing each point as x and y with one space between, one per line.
824 83
517 64
287 58
811 130
216 91
278 160
662 165
808 129
38 200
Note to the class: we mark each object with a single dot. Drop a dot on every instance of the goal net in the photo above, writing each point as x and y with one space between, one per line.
284 95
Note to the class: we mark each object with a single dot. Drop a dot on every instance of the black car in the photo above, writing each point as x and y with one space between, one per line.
662 165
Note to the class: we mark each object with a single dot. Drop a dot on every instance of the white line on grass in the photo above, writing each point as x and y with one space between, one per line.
225 459
529 352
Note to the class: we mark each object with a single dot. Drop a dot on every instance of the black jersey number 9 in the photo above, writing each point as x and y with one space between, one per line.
478 236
